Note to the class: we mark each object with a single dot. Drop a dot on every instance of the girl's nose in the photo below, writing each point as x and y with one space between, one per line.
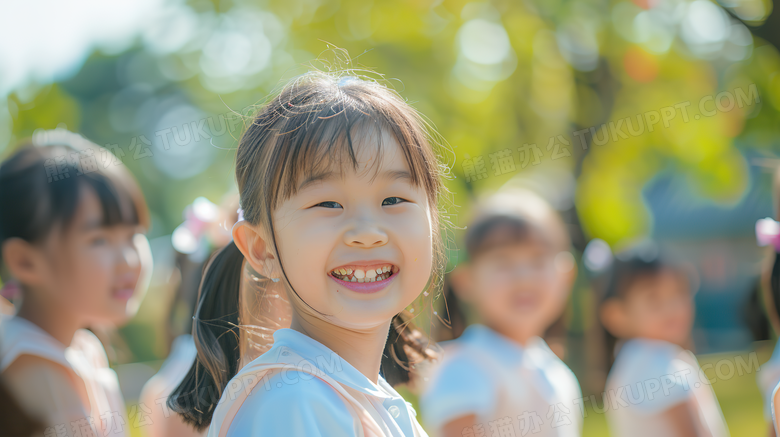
129 255
365 236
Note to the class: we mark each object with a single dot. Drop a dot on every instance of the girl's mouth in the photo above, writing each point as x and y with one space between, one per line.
364 279
124 294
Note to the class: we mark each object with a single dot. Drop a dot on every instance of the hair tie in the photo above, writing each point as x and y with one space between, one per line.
191 235
240 212
768 232
346 80
10 290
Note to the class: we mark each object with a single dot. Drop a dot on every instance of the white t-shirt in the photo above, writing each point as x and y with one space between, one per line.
505 385
86 359
294 403
648 378
176 365
158 389
768 378
772 410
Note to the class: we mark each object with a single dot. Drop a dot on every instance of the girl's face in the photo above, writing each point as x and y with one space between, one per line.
358 248
519 288
659 307
93 270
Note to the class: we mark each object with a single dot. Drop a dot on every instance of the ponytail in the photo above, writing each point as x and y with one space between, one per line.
774 286
216 334
454 322
406 346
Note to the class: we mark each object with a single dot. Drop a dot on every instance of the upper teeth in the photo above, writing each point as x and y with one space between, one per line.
364 274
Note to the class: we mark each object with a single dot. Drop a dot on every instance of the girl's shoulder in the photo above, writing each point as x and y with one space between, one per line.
286 394
275 387
20 337
462 359
87 343
646 358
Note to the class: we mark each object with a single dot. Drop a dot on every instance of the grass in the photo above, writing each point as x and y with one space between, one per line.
738 396
739 399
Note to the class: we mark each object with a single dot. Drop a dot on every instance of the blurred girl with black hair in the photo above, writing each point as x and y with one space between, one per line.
768 234
655 385
71 233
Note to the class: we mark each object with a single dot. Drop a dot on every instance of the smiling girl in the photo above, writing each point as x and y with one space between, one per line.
339 187
75 246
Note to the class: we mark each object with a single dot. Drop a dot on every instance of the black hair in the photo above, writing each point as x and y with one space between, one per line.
774 287
216 335
755 317
40 187
452 315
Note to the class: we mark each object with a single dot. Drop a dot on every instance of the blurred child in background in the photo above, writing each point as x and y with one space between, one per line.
648 307
500 373
71 238
768 234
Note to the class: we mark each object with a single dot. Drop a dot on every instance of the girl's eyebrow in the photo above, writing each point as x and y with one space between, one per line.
92 224
314 179
396 174
388 174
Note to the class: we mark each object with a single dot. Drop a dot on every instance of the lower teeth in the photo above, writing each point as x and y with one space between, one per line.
381 277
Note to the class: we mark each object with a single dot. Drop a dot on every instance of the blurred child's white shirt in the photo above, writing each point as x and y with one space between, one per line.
159 388
505 385
294 403
176 365
773 418
768 378
86 358
648 378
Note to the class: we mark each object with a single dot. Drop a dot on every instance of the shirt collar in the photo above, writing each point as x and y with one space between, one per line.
327 360
508 350
649 344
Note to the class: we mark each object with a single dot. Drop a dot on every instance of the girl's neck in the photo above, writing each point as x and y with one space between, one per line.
55 322
362 349
520 337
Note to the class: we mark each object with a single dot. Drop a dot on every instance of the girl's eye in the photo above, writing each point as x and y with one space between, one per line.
392 201
98 241
329 204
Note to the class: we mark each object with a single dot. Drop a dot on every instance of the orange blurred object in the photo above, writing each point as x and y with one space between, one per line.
640 65
646 4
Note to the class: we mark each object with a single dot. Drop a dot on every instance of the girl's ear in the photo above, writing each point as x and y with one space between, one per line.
252 244
613 317
23 261
461 278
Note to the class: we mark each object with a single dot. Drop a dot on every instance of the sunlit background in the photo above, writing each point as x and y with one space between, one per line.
646 118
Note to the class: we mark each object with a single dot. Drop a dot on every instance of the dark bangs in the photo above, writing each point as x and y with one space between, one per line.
40 187
314 126
498 231
635 263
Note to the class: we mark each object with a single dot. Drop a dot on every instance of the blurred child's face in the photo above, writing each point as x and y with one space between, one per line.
93 269
659 307
518 287
359 248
